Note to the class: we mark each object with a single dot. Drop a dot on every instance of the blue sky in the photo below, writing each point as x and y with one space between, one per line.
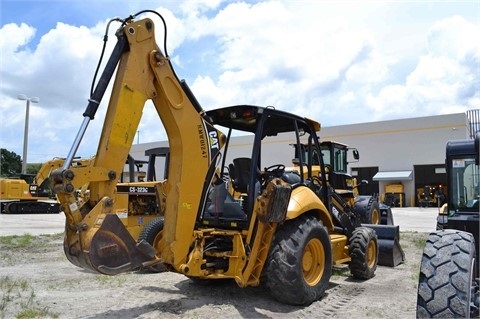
338 62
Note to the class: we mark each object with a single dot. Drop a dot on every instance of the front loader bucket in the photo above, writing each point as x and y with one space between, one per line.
390 253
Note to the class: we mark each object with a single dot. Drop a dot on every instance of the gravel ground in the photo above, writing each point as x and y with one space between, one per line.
37 281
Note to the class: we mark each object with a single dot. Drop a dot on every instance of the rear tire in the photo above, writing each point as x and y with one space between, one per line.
152 233
446 275
363 250
374 213
299 265
367 209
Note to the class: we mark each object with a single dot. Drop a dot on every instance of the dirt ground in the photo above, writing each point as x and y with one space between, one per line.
37 281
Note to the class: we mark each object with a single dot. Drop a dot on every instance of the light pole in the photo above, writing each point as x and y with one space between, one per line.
23 97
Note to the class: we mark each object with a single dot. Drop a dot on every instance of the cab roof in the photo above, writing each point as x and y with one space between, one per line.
245 118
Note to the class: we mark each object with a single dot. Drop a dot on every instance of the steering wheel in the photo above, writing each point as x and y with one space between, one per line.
273 171
274 168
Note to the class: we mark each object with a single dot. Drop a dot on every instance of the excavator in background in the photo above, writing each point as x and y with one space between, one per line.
133 192
17 196
283 228
449 280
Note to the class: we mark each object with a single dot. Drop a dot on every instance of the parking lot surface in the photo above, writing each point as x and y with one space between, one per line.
409 219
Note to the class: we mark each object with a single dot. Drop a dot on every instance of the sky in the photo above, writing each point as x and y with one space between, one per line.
338 62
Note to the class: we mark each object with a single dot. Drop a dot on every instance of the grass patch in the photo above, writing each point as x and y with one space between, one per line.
28 240
35 313
417 240
117 280
341 270
416 275
18 300
15 241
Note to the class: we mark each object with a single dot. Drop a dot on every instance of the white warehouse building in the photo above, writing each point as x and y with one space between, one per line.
397 157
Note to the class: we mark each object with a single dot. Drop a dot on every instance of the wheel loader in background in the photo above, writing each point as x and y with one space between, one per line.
336 157
283 228
449 273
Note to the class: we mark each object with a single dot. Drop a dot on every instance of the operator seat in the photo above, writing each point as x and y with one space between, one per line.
240 173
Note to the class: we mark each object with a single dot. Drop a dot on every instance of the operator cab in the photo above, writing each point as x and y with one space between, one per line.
247 164
463 187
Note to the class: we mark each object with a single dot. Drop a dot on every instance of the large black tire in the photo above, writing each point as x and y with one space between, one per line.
446 275
367 209
299 265
363 250
152 233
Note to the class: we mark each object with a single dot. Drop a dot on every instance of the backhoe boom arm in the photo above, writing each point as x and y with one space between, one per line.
95 237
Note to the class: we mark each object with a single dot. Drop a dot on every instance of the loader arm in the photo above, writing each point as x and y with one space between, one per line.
95 238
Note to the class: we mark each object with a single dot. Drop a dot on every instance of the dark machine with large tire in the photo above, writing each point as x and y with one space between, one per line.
448 282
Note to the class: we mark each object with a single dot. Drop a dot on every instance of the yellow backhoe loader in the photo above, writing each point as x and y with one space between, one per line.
135 197
285 229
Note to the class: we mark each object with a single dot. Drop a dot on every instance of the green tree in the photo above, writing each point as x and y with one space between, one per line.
11 163
33 168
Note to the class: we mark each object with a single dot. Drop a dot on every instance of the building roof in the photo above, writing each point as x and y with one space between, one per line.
393 176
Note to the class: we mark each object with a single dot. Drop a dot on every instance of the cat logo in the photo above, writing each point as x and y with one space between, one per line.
213 139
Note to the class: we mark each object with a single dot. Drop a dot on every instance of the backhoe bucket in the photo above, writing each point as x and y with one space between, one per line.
112 249
390 252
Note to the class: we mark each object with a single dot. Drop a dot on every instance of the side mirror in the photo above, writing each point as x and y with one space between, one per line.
356 155
363 182
477 148
352 155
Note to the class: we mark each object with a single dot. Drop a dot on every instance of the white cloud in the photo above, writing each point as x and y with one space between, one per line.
445 79
336 62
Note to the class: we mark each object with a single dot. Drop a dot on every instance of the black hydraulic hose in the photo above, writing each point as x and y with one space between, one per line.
96 97
164 26
97 94
105 40
192 97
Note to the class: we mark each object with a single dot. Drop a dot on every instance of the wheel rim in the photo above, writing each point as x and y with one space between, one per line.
371 254
157 239
313 262
375 217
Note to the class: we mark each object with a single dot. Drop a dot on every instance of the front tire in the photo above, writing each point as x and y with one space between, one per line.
299 265
446 275
152 233
363 250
